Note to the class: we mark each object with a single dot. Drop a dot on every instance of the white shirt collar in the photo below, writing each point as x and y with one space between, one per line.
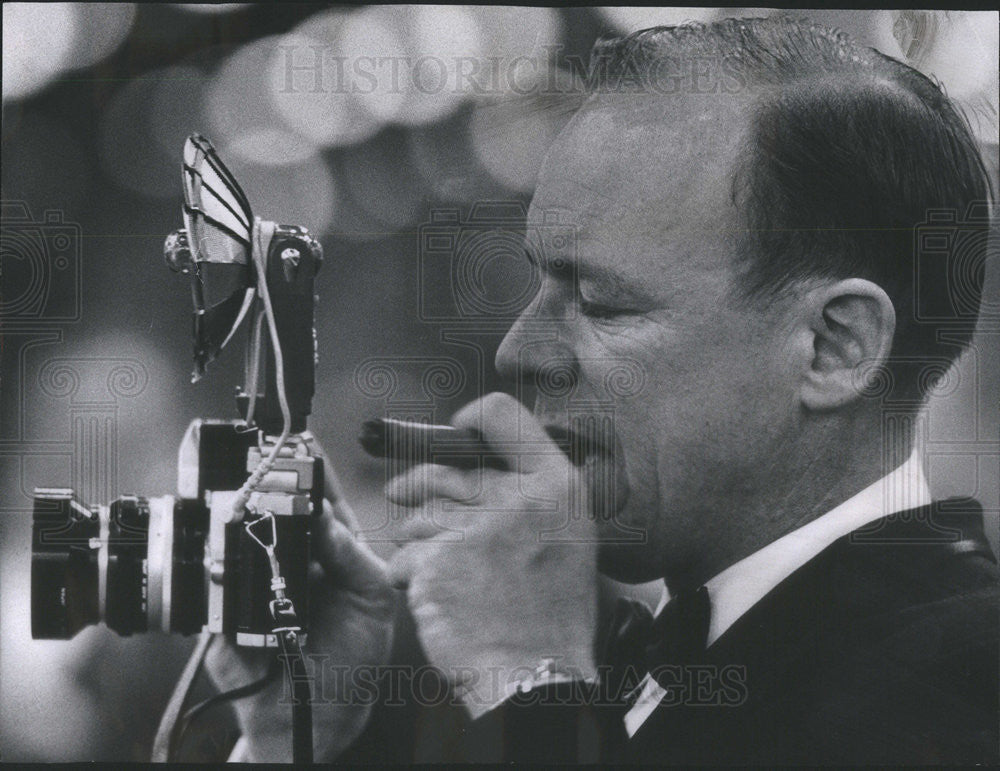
742 585
745 583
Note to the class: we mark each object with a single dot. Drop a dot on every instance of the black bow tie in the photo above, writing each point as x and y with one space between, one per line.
637 643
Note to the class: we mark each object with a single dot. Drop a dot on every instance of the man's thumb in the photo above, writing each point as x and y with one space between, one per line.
347 562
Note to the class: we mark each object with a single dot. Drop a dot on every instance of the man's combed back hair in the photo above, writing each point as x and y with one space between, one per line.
848 153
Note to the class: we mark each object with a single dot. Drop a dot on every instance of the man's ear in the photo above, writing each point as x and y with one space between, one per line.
850 323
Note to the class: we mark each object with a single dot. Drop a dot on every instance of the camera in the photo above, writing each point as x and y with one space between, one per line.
40 271
487 266
180 563
230 552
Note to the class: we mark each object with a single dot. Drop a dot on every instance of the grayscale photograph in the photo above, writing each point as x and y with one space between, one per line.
396 384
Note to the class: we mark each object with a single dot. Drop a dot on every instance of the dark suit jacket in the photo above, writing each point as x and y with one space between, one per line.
882 649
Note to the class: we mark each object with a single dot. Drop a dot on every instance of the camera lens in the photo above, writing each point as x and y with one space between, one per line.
65 582
183 604
128 541
137 565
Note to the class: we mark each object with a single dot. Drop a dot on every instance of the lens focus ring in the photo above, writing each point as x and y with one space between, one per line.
128 544
160 565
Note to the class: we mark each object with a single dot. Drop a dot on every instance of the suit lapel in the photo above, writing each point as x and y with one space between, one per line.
758 675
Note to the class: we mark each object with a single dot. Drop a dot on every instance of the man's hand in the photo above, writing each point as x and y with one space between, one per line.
350 626
500 573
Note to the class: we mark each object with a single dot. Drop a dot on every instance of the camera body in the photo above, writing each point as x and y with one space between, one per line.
229 553
180 563
481 261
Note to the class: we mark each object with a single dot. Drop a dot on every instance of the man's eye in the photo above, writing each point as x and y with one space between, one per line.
598 311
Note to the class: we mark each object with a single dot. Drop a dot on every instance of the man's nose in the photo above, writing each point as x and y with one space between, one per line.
534 345
507 361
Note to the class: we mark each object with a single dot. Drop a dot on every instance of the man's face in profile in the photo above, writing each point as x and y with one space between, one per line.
647 181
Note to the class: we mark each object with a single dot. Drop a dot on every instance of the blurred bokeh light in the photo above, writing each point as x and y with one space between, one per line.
511 34
209 9
439 40
629 19
367 37
235 104
510 135
99 29
311 91
37 42
443 157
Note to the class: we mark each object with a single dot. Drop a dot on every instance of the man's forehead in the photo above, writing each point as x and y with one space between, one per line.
633 149
648 171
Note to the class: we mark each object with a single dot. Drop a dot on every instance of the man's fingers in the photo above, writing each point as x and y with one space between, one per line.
432 480
333 491
418 526
510 429
345 560
403 564
343 512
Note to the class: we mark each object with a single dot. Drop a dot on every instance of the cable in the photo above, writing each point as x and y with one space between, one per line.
236 693
243 496
253 375
302 728
163 743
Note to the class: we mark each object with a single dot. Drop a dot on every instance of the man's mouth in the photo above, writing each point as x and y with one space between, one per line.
592 443
579 443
